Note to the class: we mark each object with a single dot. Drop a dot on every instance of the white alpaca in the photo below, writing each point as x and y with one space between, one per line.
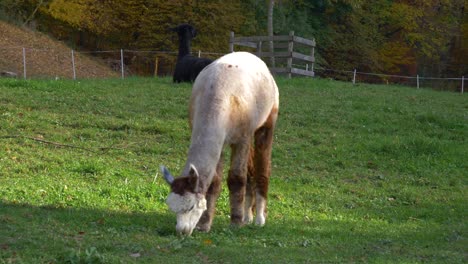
234 103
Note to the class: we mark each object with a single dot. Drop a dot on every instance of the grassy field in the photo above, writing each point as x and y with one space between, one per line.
361 173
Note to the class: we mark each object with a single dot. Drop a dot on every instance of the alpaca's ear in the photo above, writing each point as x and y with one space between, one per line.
194 178
167 175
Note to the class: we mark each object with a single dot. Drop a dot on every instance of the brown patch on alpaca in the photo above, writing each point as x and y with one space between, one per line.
235 103
238 115
181 185
237 179
259 171
251 184
262 153
250 165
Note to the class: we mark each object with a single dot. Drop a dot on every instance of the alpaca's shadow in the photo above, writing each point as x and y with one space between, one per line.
24 219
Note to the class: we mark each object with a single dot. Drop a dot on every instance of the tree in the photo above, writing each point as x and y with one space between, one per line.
20 11
388 36
271 5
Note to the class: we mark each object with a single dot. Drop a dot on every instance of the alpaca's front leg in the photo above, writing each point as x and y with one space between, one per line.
204 224
237 180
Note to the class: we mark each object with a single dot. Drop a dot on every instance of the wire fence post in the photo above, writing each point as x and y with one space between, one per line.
73 64
122 63
24 63
417 81
354 77
463 84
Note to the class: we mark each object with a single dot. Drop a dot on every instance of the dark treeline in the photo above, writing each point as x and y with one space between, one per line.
409 37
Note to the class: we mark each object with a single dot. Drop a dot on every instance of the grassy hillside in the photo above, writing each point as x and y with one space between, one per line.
45 57
360 174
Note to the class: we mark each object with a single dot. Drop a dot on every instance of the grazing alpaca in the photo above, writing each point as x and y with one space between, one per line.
187 67
234 103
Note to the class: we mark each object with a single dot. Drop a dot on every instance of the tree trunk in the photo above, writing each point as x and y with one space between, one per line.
271 4
31 17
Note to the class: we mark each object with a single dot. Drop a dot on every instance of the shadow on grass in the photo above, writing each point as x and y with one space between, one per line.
81 235
50 234
11 213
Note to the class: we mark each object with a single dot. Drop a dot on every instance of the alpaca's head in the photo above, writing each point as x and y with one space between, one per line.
185 31
185 200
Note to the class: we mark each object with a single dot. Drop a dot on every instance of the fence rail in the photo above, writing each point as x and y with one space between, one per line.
279 43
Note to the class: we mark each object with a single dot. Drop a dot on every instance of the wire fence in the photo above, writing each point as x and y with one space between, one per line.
33 63
439 83
28 63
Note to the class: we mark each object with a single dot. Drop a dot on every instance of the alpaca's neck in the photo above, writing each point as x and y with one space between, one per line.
184 47
205 150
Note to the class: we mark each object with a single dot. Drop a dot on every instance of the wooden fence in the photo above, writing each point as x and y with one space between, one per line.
283 49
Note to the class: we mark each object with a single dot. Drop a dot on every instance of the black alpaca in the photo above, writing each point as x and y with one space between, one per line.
187 67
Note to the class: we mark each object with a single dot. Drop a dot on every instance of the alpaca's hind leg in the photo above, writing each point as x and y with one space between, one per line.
262 164
237 180
204 224
249 202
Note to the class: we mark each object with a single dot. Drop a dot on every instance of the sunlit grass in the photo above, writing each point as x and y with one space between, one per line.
360 174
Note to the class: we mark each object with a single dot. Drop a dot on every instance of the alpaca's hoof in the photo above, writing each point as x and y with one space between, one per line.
237 223
203 228
248 218
260 220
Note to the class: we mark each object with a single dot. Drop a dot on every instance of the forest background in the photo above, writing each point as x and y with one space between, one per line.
407 37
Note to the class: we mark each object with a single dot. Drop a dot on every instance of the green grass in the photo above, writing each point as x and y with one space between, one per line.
360 174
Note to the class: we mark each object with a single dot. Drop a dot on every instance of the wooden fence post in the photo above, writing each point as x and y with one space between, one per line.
156 62
290 51
463 84
272 52
417 80
354 77
259 49
199 53
122 63
73 64
231 42
312 54
24 63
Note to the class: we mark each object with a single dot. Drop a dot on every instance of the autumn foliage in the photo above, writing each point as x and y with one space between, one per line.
391 36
